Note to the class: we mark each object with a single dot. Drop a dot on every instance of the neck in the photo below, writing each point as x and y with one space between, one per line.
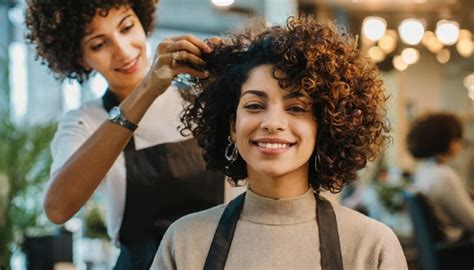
280 187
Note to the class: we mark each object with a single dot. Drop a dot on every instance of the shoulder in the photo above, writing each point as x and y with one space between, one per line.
89 110
430 169
437 178
199 223
368 238
188 239
356 222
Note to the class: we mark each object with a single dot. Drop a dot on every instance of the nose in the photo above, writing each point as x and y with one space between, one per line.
274 121
122 48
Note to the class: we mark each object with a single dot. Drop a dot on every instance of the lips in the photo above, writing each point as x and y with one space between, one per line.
130 66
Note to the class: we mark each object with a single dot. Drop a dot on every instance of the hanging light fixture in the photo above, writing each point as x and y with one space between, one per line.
469 81
464 47
373 28
388 42
410 55
465 44
447 32
223 3
431 42
399 64
411 31
376 54
443 56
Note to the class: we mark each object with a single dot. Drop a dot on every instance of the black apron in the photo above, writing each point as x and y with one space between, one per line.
163 183
330 247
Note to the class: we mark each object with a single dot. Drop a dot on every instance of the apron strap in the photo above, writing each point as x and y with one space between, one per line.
219 250
330 247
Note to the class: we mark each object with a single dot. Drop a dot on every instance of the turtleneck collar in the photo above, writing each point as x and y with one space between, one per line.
261 210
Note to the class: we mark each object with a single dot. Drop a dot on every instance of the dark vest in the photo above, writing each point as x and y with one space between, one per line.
164 182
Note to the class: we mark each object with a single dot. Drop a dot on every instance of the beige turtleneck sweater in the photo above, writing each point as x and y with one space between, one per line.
280 234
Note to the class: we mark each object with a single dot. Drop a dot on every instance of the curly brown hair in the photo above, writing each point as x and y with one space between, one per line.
431 135
56 27
321 59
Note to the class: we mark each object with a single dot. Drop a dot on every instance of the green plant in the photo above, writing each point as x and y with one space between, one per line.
391 196
94 224
24 167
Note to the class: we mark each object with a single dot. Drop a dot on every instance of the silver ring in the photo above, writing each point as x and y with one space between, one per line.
174 57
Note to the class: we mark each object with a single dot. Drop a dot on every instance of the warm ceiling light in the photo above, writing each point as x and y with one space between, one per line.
410 56
373 28
223 3
411 31
469 81
465 34
427 36
389 42
399 64
443 56
471 93
431 42
447 32
376 54
464 47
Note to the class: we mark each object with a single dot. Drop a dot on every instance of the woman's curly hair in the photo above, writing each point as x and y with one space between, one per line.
431 135
318 58
56 27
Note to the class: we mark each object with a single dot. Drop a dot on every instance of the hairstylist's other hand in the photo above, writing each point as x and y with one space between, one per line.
173 56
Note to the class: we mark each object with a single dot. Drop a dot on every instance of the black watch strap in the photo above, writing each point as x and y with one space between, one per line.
116 116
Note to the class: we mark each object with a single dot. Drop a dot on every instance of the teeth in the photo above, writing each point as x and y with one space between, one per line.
273 145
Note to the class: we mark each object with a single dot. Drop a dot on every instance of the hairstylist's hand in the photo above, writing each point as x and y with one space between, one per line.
174 56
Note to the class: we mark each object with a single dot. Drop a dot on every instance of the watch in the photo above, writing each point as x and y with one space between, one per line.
116 116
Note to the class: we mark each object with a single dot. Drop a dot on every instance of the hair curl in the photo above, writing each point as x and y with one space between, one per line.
56 27
432 134
318 58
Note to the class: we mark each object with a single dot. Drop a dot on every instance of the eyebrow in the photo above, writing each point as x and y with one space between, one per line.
100 35
263 94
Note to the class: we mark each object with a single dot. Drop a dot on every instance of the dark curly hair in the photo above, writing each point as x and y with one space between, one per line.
56 27
431 135
318 58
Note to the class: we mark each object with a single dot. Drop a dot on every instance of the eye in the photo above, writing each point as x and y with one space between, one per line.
127 28
298 109
98 46
253 107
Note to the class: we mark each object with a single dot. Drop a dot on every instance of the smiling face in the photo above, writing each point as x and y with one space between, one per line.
274 130
115 46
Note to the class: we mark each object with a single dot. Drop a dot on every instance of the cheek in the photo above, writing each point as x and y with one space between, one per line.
98 60
139 39
308 131
245 125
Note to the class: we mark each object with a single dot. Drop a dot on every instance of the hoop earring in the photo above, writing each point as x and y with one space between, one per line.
231 157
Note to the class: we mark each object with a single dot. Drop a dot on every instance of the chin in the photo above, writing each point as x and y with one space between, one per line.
272 172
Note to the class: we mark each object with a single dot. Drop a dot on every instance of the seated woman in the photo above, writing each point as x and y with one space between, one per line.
293 110
435 139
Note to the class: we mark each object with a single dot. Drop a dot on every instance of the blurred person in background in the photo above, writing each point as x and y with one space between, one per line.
294 109
127 142
434 140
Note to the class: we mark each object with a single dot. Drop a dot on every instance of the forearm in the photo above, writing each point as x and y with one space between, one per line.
75 182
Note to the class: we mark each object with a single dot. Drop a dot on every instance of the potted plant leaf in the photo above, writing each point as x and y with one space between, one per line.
24 167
